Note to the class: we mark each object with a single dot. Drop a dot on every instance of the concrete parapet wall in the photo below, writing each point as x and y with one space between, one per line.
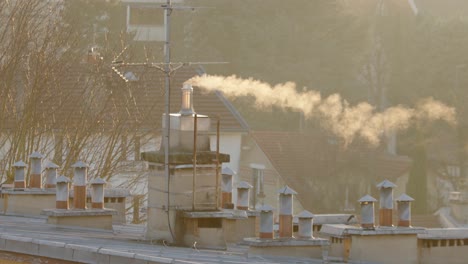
72 252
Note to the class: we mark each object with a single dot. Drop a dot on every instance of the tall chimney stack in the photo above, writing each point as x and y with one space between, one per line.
404 210
386 202
226 187
286 211
243 189
20 182
80 178
266 222
367 212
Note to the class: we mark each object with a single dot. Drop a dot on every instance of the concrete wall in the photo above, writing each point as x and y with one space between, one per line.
384 248
181 196
91 221
443 253
27 204
235 230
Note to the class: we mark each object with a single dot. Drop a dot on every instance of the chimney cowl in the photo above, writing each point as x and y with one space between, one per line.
386 184
36 155
51 165
405 198
286 190
228 171
20 164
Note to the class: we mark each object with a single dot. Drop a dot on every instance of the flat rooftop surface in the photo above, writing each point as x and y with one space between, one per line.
129 239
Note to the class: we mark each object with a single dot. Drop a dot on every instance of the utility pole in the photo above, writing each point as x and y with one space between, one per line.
167 90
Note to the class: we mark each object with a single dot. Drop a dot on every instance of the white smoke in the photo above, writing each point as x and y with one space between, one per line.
347 122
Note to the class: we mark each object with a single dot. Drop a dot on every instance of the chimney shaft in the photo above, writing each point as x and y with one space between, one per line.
35 180
306 220
367 212
79 185
286 211
226 187
243 190
97 193
187 100
62 193
386 202
266 222
50 175
404 210
20 182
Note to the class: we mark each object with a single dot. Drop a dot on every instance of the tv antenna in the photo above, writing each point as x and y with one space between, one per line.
167 67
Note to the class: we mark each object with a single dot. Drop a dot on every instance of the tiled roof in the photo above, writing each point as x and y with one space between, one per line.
302 158
97 98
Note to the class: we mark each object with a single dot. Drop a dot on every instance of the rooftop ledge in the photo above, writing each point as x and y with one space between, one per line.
343 230
77 212
203 157
229 214
285 242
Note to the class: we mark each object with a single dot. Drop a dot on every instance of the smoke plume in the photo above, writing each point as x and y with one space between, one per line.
347 122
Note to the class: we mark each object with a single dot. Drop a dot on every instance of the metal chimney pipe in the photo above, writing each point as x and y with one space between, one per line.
226 187
50 174
367 212
306 220
243 189
187 100
404 210
20 182
79 184
266 222
386 202
62 193
286 211
35 179
97 193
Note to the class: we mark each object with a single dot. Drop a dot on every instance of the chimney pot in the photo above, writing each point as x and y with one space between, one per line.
227 175
79 184
35 180
62 193
266 222
51 174
404 210
386 202
20 182
187 100
243 189
97 193
306 220
367 211
286 211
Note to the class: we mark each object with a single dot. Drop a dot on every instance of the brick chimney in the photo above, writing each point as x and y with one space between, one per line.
286 211
80 177
50 174
97 193
243 189
35 179
404 210
266 222
226 187
62 193
306 220
367 212
386 202
20 182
